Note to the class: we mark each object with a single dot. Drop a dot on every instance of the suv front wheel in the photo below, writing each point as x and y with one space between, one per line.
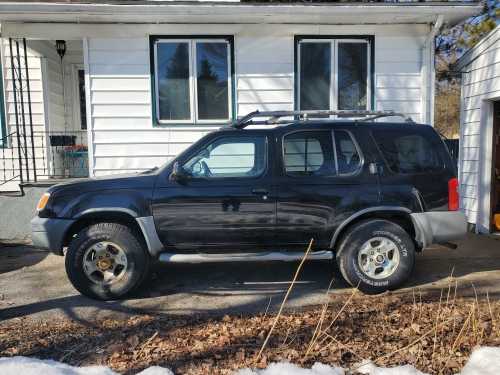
107 261
376 255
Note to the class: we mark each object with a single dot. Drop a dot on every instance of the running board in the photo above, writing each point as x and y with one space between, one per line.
243 257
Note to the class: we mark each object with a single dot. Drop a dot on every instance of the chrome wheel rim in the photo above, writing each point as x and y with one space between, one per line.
379 258
104 263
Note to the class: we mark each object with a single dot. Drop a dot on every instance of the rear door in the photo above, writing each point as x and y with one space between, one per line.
322 178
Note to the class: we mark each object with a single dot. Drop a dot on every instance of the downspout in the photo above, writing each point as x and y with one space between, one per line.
428 74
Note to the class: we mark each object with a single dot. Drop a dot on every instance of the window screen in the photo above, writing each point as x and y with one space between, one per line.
229 157
309 153
408 152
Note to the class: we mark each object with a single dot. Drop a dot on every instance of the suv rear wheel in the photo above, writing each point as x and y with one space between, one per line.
376 255
107 261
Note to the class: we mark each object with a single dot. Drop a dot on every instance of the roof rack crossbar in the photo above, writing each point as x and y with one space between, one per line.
274 116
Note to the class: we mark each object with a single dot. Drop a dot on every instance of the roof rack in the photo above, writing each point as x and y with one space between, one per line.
275 116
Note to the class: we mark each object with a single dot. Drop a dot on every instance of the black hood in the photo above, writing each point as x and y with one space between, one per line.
144 180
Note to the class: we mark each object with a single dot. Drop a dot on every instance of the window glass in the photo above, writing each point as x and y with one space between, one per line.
82 98
315 76
308 153
172 71
347 61
348 158
352 75
229 157
407 152
212 80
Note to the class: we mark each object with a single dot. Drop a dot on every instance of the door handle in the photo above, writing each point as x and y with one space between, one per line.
260 191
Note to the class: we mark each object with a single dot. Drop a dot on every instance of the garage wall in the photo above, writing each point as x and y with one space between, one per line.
122 131
480 80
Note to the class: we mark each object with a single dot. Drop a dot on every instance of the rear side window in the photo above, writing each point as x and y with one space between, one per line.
408 152
320 153
348 158
308 153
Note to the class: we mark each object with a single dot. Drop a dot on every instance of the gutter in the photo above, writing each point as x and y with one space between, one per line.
429 74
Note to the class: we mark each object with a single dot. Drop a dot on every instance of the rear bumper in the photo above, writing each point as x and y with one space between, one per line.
48 233
439 226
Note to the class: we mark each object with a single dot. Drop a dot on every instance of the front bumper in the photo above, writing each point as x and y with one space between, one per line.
438 226
48 233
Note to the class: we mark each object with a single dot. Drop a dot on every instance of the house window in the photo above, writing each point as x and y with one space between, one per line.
192 80
334 74
82 99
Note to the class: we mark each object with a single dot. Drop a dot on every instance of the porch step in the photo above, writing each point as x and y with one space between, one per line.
284 256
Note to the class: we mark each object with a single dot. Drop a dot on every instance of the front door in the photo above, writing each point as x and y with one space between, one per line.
226 200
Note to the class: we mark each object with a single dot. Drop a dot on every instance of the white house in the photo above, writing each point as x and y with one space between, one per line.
479 164
141 80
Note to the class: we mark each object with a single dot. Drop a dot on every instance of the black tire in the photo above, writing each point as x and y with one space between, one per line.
138 261
360 234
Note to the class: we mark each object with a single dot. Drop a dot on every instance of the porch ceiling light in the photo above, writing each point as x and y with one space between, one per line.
61 48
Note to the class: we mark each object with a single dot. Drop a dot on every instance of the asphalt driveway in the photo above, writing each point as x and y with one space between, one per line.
33 283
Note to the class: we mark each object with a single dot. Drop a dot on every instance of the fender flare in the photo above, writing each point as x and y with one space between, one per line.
145 223
356 215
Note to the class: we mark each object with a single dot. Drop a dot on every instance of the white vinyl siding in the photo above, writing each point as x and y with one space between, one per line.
480 81
121 122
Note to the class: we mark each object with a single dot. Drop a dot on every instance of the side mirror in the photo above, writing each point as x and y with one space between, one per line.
178 174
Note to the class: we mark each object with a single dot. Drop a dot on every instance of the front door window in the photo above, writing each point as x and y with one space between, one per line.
229 157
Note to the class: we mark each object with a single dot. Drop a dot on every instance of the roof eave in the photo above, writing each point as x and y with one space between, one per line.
378 13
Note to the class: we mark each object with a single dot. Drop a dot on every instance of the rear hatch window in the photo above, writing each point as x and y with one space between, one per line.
410 152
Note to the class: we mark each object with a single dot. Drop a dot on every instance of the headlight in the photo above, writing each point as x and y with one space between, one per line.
43 202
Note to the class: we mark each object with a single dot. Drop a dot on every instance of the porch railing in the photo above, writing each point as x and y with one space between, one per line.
47 155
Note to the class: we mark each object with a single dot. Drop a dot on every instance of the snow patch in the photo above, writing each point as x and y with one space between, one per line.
483 361
284 368
33 366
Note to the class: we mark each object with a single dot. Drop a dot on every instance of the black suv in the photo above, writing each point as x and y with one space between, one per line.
370 194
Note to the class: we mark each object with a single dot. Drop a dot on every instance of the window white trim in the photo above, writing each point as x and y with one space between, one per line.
334 44
193 81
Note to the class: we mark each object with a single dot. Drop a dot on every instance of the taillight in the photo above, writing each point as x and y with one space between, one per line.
453 198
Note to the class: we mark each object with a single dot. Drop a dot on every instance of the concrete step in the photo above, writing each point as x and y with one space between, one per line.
10 187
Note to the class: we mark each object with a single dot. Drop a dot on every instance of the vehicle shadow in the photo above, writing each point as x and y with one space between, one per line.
15 256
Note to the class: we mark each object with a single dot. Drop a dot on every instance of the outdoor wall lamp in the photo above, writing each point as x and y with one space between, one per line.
61 48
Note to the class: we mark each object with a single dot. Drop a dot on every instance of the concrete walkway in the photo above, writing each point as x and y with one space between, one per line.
33 283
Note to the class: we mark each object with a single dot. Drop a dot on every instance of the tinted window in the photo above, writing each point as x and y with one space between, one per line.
408 152
229 157
348 157
309 153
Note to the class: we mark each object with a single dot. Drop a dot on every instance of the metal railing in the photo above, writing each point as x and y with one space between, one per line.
46 155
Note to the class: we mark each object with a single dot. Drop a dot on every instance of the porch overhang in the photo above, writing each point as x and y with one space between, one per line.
159 12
